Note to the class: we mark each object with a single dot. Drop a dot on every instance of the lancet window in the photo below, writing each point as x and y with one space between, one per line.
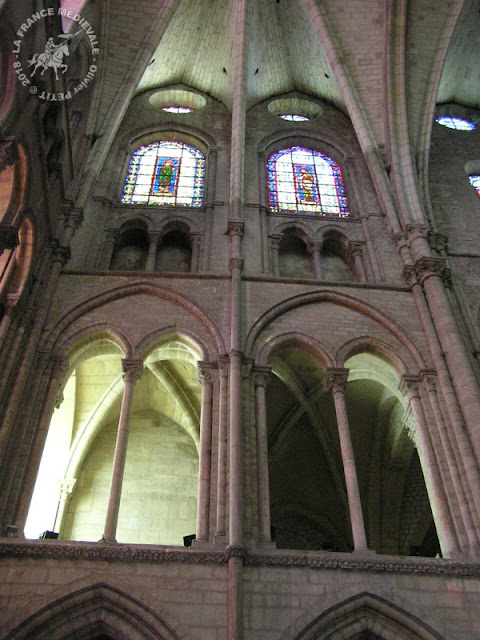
305 181
165 173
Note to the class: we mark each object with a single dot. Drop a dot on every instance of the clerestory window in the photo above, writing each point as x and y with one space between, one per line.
165 173
306 181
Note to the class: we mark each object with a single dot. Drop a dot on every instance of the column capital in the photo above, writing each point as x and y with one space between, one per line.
417 230
409 275
59 253
261 375
356 248
205 372
336 379
111 234
429 377
154 234
400 240
132 370
8 152
223 364
235 227
196 238
236 263
409 384
428 267
276 239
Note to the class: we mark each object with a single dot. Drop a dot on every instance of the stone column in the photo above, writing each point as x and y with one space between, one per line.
65 488
205 378
336 380
356 249
108 247
459 482
196 242
223 365
154 240
11 303
446 535
132 372
316 248
276 240
261 377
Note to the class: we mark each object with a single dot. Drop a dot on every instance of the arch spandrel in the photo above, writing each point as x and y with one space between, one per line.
323 312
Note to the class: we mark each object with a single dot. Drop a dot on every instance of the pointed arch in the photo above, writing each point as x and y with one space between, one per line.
96 609
366 612
343 300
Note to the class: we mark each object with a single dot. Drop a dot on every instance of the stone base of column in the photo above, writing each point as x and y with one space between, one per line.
220 541
104 540
364 553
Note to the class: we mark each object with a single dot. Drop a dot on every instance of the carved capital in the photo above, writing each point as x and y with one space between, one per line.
60 254
276 240
223 363
409 275
8 152
356 248
65 488
336 379
415 231
428 267
235 228
261 376
111 236
438 242
410 385
132 370
8 237
400 240
196 239
205 372
236 263
429 377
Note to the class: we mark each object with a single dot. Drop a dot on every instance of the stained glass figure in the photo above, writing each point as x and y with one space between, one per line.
452 122
306 181
165 173
475 182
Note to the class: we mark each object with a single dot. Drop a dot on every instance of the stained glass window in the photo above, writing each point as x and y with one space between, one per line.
294 117
165 173
456 123
306 181
475 182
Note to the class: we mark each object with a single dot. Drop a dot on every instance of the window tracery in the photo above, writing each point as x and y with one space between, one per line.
306 181
165 173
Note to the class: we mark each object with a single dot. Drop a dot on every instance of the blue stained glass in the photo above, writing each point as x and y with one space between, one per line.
165 173
306 181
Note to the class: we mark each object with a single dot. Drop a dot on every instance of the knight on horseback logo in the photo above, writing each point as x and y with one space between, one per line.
54 55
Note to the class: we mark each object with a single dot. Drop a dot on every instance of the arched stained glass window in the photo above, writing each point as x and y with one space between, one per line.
306 181
475 182
165 173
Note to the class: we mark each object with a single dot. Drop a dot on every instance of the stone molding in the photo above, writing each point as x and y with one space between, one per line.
409 275
56 550
206 372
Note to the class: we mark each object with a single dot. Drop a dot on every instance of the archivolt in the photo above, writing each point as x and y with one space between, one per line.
132 290
337 298
99 609
367 612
